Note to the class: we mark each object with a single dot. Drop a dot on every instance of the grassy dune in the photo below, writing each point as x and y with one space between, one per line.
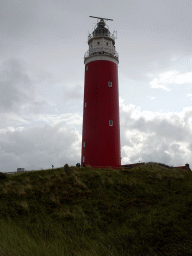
103 212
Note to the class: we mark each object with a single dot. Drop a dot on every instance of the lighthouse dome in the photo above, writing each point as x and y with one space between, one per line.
101 30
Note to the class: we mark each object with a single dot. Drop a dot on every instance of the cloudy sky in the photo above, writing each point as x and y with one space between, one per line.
42 50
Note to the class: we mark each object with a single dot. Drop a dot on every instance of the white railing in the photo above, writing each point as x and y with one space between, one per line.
101 51
102 34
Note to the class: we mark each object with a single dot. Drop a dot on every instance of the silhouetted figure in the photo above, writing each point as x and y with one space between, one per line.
66 169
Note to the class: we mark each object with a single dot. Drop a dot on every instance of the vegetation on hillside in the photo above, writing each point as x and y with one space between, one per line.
101 212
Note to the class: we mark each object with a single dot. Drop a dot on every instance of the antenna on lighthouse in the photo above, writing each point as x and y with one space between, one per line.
100 18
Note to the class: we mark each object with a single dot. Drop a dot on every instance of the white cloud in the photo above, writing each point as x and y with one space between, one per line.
169 78
183 78
190 95
69 118
159 137
145 136
158 84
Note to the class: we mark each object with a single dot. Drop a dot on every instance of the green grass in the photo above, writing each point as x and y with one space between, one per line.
101 212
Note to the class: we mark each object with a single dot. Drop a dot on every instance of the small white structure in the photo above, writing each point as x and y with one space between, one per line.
20 169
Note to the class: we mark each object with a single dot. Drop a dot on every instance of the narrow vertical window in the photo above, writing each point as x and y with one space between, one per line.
86 68
110 84
110 123
85 104
83 159
84 144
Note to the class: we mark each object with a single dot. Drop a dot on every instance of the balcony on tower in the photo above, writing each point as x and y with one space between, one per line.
101 42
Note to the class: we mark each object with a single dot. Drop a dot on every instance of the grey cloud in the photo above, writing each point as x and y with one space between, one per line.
21 94
163 128
159 139
149 33
39 147
11 120
190 147
75 93
153 156
15 85
152 33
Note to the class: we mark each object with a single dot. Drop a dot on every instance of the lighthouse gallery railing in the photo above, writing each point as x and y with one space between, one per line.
101 51
101 34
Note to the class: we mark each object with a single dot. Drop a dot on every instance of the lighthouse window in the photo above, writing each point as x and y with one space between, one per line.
83 159
84 144
85 104
107 43
110 84
86 68
110 123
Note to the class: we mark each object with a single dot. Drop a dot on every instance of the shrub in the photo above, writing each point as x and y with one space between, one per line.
3 176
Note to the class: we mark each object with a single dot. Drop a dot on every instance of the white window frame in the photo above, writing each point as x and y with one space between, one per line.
86 67
83 144
110 122
110 84
83 159
85 104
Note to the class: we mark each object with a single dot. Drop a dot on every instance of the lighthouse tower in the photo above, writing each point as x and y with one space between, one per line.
101 129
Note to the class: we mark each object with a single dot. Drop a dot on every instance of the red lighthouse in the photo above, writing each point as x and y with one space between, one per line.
101 129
